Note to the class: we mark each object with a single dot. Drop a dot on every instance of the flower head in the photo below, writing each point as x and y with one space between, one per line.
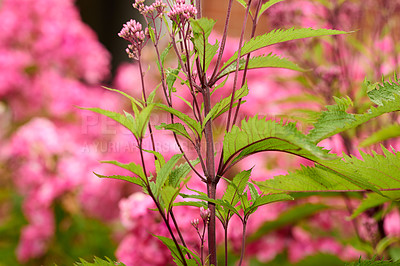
205 214
132 32
182 12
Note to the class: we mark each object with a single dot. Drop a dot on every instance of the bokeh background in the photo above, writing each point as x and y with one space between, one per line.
56 55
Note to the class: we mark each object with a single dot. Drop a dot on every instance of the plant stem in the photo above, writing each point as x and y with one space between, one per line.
179 231
243 241
226 243
210 174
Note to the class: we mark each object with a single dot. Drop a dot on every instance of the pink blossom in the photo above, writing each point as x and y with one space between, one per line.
392 224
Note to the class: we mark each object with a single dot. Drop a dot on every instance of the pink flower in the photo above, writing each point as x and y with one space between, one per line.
392 224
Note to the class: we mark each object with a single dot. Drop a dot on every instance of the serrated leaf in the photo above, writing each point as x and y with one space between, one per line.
131 179
223 105
190 122
143 119
98 262
166 169
177 128
265 61
336 119
235 188
267 5
266 199
373 173
373 200
256 135
195 261
391 131
201 31
171 76
279 36
132 99
180 172
134 168
121 119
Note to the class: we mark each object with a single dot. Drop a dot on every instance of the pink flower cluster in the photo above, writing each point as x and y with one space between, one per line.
154 10
132 32
182 12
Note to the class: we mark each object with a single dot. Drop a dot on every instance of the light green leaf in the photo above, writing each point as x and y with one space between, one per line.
134 168
373 200
123 120
256 135
279 36
132 99
180 172
98 262
131 179
195 261
223 105
190 122
171 76
201 31
373 173
235 188
177 128
267 5
268 61
336 119
391 131
142 120
163 174
266 199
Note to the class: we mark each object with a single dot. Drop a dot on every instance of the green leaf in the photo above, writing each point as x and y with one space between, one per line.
201 31
373 173
171 76
163 174
142 120
190 122
223 105
288 217
132 99
256 135
336 119
175 253
391 131
121 119
267 5
373 200
266 199
177 128
268 61
279 36
131 179
180 172
134 168
98 262
235 188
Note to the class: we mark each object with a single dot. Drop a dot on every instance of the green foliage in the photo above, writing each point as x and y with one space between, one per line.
223 105
257 135
177 128
279 36
264 61
98 262
388 132
373 200
190 122
372 262
336 119
373 173
201 31
195 261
